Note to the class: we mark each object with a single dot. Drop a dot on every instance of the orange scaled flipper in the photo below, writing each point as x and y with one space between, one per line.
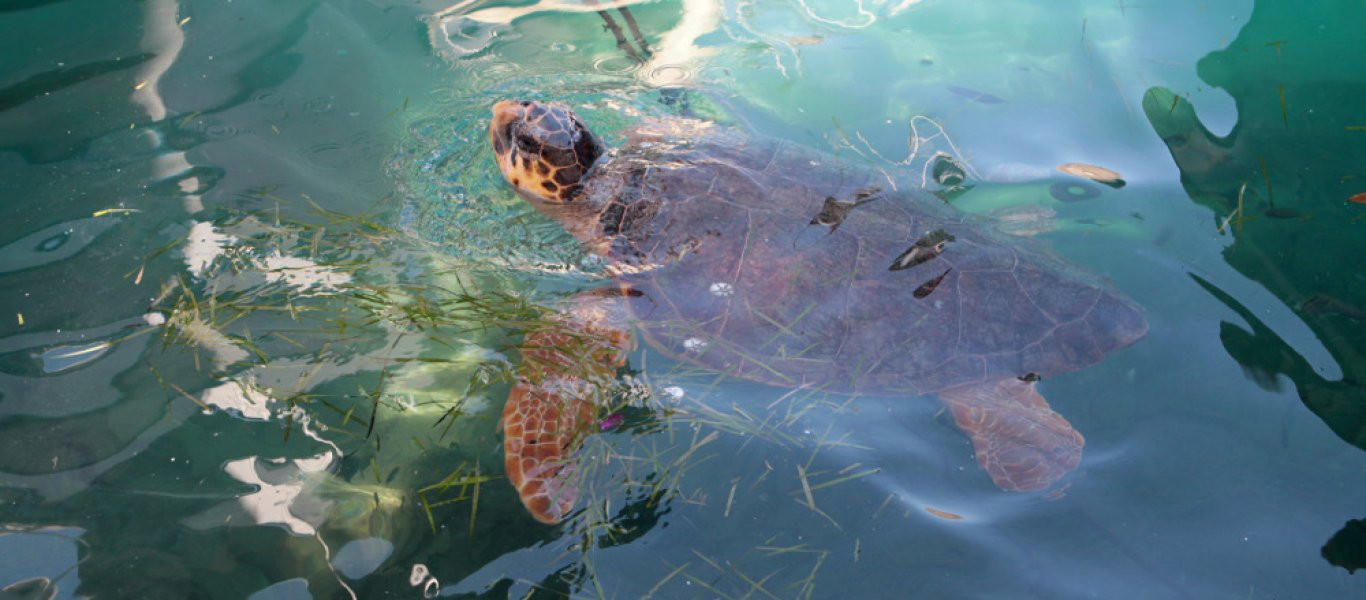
552 407
1019 440
542 424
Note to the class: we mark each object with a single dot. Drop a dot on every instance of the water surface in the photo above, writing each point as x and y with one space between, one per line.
262 286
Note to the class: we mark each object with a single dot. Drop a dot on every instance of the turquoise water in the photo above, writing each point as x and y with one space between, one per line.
262 287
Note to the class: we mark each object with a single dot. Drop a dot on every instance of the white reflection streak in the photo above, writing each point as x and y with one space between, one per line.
505 15
905 4
164 38
302 274
285 487
445 24
677 46
271 502
868 17
204 245
773 42
274 502
241 396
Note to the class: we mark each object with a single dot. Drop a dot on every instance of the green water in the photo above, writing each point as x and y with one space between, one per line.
261 286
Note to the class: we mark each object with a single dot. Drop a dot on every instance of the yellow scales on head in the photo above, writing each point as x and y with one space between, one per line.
542 149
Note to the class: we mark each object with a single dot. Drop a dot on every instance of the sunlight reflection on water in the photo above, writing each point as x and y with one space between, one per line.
1201 450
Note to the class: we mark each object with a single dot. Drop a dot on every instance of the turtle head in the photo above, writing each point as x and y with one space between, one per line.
543 149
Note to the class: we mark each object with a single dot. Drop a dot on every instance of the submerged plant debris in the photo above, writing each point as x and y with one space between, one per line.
365 338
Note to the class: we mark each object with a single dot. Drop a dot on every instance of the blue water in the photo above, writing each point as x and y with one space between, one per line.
260 283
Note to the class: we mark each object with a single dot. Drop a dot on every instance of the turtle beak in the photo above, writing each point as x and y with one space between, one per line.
505 113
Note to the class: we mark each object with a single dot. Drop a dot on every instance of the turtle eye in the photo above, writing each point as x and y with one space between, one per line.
527 144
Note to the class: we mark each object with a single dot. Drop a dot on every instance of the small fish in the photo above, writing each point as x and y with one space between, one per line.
1280 212
612 421
834 212
928 287
1030 377
923 250
975 95
1324 304
866 192
943 514
1097 174
1358 198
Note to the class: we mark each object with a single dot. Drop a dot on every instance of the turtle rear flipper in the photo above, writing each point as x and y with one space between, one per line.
565 367
1017 437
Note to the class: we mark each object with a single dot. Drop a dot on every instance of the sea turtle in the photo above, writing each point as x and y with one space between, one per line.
775 263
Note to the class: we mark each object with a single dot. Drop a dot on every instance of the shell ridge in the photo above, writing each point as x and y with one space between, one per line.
1015 276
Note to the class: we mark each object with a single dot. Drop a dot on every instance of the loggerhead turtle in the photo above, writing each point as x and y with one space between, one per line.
775 263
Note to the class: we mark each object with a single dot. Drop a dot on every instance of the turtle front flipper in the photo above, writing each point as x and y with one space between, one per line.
553 404
1018 439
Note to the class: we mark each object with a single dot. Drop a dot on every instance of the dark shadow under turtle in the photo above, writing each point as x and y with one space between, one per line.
726 257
